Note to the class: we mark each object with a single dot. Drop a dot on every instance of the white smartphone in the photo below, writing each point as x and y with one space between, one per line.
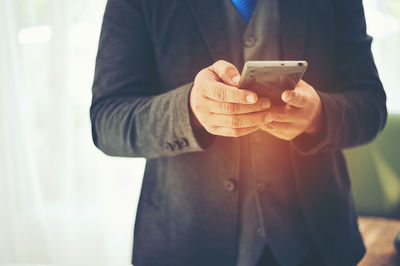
270 78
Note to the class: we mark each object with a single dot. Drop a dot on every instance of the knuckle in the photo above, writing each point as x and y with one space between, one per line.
224 67
288 135
229 108
222 63
217 65
283 135
211 129
235 132
200 76
209 69
238 95
236 98
269 117
202 72
196 106
303 100
197 77
219 62
219 93
234 121
228 69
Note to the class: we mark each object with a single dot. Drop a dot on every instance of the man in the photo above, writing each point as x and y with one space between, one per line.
231 179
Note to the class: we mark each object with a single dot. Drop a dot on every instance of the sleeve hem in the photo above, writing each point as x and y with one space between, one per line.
198 139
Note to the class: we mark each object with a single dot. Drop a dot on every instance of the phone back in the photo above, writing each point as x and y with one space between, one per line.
271 81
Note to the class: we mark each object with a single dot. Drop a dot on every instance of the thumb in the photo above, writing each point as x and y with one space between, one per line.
295 98
227 72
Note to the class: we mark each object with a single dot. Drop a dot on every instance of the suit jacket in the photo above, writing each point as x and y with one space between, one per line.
149 54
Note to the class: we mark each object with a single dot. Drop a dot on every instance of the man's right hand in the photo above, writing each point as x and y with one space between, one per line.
220 107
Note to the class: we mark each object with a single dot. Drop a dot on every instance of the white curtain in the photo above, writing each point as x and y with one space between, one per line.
62 201
383 23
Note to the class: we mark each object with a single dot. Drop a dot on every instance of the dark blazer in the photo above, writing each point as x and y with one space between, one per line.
149 54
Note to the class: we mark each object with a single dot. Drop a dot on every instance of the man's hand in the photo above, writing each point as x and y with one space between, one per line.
220 107
301 114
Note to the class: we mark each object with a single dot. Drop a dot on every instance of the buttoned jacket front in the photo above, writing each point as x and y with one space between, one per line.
149 54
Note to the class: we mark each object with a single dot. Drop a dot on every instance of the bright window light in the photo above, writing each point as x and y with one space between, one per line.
35 35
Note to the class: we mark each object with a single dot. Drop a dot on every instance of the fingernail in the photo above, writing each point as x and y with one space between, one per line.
235 79
250 98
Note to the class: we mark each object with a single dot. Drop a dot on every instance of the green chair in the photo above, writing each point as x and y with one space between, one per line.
375 173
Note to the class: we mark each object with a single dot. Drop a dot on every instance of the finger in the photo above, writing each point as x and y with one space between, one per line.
282 130
232 132
236 121
237 108
226 71
278 126
286 113
224 93
295 98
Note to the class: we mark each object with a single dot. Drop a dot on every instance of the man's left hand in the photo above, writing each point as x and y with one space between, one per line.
302 113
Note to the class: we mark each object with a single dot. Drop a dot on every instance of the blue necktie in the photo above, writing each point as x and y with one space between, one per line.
245 8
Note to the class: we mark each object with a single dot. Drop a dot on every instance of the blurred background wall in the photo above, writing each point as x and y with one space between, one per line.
62 201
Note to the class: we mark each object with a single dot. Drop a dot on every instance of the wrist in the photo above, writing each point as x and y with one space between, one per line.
193 119
316 122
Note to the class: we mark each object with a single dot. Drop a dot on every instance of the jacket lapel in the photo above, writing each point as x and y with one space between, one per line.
294 21
210 18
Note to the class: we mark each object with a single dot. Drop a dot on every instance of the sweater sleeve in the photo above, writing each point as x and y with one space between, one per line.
129 114
356 112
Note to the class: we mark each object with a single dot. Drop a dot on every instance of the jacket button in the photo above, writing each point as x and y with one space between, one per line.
184 142
171 146
260 186
261 231
230 184
249 41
